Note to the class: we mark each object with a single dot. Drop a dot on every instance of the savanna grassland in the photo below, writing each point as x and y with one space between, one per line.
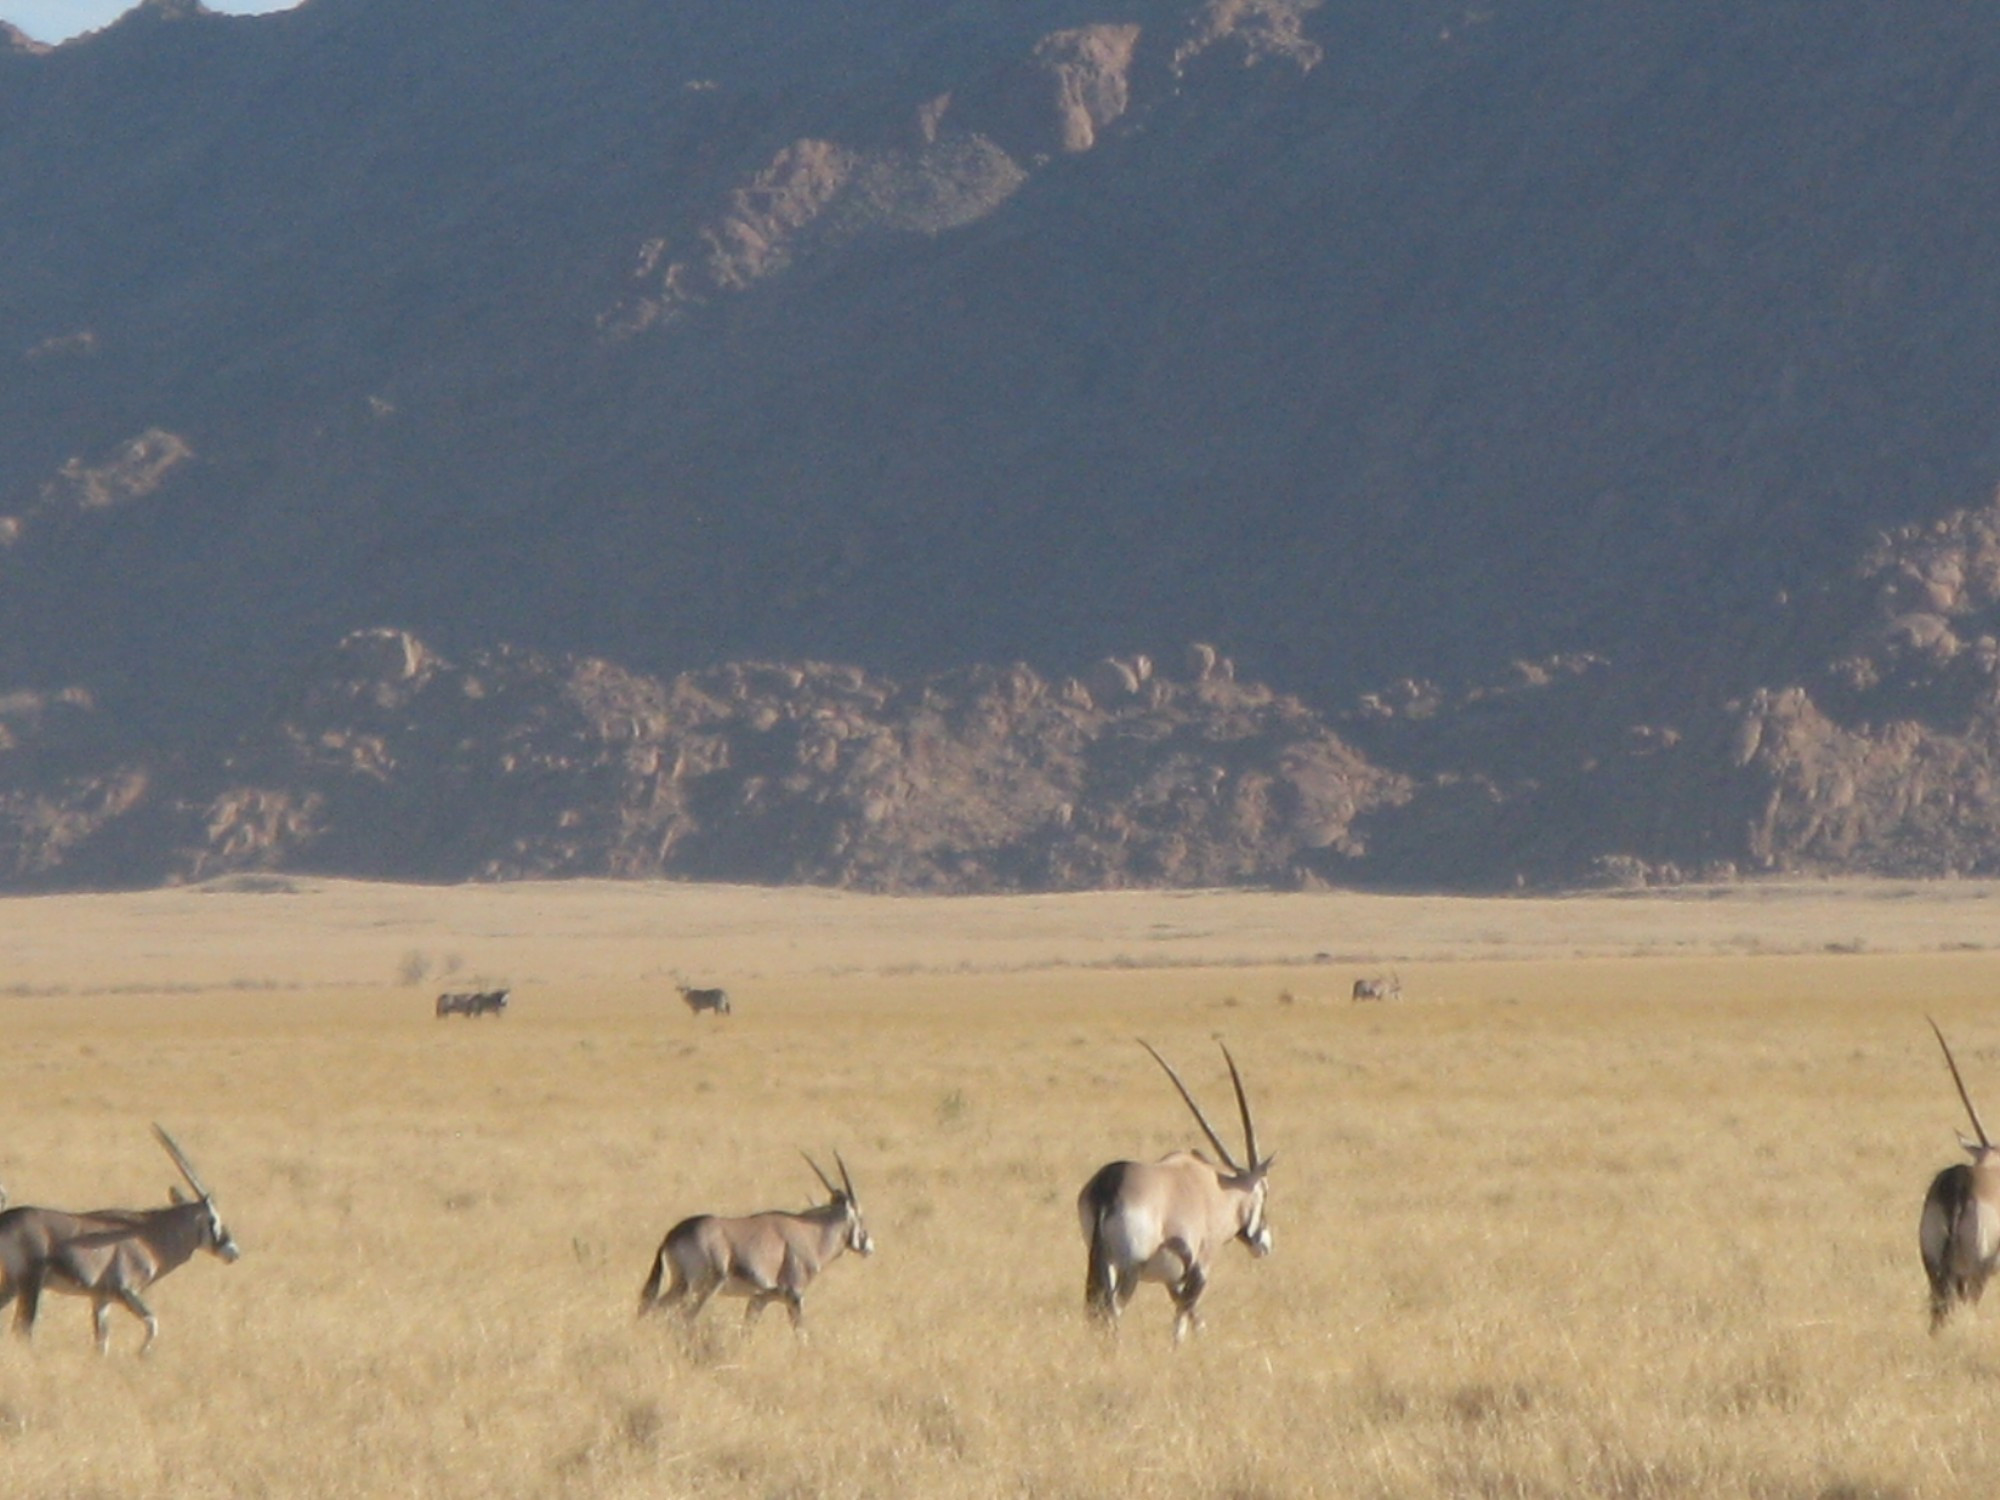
1619 1201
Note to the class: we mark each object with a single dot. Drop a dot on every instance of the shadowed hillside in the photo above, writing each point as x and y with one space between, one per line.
1534 396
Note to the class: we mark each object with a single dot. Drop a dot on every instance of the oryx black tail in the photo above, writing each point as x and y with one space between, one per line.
1099 1197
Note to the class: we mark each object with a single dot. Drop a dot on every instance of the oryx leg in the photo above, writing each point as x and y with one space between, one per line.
30 1305
675 1294
693 1304
1100 1285
793 1300
139 1310
793 1279
1186 1292
100 1316
1108 1284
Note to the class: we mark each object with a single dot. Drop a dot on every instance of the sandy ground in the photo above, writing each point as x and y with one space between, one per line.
286 933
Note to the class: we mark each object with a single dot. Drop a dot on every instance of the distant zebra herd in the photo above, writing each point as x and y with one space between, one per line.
471 1003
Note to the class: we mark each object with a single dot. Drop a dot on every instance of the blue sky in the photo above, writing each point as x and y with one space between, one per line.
58 20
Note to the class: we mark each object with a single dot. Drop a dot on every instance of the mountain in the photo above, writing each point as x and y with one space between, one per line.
1567 417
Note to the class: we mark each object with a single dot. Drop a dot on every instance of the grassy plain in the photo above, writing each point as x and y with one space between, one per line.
1620 1201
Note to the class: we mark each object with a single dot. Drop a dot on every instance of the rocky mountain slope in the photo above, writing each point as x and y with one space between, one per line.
387 758
1576 421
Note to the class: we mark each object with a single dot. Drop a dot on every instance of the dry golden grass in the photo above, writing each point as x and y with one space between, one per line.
1620 1201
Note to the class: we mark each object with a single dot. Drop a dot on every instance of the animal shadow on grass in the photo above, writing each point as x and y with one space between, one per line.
708 1342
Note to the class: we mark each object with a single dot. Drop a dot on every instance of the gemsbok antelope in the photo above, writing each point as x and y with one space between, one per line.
767 1257
1959 1233
1165 1221
111 1255
715 1001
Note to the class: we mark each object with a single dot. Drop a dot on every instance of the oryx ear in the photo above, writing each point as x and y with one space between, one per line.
1262 1169
175 1194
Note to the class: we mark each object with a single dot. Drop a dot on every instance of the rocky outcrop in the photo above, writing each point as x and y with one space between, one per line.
1253 31
390 760
973 147
1888 756
133 470
816 194
1073 85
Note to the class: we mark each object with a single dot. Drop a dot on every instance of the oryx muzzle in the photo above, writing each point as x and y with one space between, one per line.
109 1255
1959 1232
1164 1221
768 1257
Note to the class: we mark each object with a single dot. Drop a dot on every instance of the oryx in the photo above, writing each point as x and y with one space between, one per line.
1166 1220
767 1257
111 1255
1959 1232
715 1001
1379 988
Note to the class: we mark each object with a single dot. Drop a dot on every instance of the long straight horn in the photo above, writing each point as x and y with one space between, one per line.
181 1161
1200 1118
1952 1063
826 1181
1243 1104
847 1181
